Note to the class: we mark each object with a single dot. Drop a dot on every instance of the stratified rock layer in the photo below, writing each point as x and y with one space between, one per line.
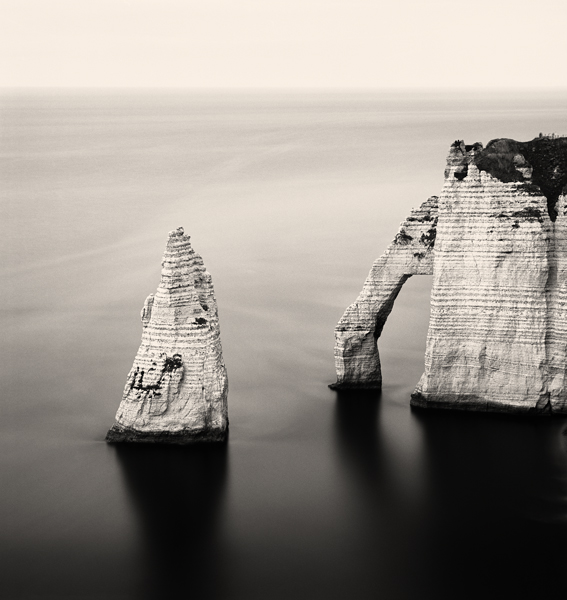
497 334
357 360
497 337
177 389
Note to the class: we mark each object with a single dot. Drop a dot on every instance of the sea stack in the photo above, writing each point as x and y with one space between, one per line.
177 389
497 338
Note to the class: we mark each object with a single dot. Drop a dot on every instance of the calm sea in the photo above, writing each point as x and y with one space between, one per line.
289 197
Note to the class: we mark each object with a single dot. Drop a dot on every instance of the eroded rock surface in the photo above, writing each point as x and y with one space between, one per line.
497 337
357 360
177 389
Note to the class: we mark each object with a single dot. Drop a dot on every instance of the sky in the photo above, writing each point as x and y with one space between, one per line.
283 43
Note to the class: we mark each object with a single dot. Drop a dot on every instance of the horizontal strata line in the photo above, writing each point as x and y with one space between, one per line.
510 304
171 258
501 311
187 278
495 308
456 286
175 287
483 398
476 202
182 308
190 334
473 311
487 339
454 293
520 315
493 217
462 244
178 292
486 323
468 325
490 250
502 212
169 332
466 296
477 344
185 301
487 224
175 244
189 355
183 324
194 365
183 272
450 331
182 260
166 292
511 188
511 368
491 321
157 344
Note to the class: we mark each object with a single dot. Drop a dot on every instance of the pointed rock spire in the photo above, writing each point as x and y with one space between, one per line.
177 389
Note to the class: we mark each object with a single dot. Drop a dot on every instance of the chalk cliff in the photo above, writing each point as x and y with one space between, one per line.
177 389
497 337
411 253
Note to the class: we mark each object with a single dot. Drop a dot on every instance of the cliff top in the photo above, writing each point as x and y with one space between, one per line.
544 157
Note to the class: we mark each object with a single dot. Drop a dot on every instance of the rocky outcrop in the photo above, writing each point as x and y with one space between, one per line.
357 360
177 389
497 337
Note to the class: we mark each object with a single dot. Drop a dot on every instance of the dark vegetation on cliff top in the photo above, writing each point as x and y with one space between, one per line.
547 156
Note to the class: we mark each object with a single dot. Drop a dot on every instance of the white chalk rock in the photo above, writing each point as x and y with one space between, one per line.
357 360
177 389
497 338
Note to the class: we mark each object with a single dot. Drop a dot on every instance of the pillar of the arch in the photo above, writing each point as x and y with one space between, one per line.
357 360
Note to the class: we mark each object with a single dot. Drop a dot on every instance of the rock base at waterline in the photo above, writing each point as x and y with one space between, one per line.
118 434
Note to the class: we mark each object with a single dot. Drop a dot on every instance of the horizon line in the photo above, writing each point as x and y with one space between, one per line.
469 89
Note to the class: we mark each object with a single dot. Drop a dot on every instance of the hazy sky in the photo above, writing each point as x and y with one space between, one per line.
283 43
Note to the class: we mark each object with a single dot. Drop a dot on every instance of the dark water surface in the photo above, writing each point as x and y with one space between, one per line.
289 198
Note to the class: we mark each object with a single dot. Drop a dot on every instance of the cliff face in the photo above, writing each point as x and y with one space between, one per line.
411 253
497 337
177 388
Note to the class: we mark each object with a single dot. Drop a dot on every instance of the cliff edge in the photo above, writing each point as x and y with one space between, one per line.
497 338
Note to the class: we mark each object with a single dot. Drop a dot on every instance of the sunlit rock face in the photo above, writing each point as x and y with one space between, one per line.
497 337
177 389
411 253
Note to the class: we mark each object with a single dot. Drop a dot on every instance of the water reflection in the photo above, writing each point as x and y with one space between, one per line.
178 493
384 525
481 512
497 518
356 430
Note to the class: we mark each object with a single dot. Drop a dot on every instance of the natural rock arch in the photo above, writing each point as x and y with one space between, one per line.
357 360
497 338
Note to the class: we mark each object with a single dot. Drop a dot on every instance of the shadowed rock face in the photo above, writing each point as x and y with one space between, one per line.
177 389
497 337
